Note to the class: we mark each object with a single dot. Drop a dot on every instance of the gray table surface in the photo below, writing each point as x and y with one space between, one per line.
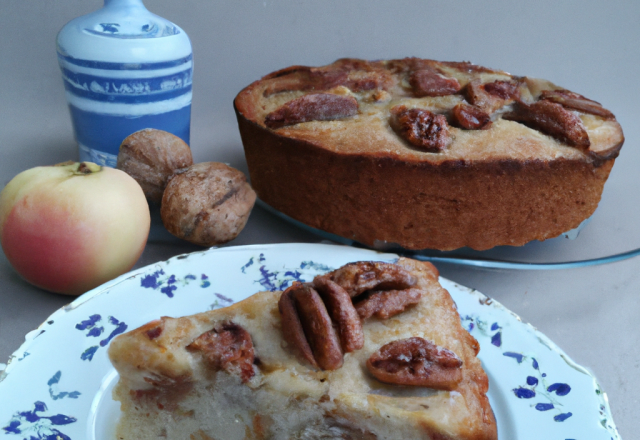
588 46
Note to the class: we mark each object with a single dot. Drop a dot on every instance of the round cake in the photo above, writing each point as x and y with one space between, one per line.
426 154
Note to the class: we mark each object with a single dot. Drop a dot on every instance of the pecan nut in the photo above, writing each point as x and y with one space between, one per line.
320 320
578 102
470 117
416 361
491 96
503 89
316 324
552 119
430 82
343 313
312 107
227 347
357 75
421 128
387 303
292 327
303 78
376 79
361 276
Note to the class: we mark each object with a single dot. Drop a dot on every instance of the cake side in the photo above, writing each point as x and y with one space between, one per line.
167 389
506 183
380 201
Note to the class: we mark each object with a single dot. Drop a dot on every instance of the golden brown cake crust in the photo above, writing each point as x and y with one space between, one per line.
356 177
166 387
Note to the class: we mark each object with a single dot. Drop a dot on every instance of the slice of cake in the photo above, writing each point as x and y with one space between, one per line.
369 351
426 154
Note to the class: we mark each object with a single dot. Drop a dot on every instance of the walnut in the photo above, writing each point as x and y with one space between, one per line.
421 128
312 107
207 204
152 156
554 120
227 347
416 361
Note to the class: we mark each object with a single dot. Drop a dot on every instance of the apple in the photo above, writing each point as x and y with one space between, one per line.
70 227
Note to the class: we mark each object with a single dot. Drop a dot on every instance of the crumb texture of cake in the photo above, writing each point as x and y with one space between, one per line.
237 373
426 154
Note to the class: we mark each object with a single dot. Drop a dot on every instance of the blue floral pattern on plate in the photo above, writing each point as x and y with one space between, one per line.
95 329
536 391
30 425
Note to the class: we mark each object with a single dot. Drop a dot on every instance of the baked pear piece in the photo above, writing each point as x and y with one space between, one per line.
369 351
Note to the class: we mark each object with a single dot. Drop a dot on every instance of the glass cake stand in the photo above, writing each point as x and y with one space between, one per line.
579 247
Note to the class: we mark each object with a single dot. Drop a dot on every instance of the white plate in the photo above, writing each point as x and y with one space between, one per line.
58 384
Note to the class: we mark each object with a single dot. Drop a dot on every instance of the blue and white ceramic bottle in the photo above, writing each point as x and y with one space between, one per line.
124 69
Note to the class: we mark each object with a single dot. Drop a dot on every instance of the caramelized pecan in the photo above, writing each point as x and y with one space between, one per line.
431 82
416 361
292 327
317 326
357 75
359 81
421 128
576 102
312 107
552 119
227 347
502 89
387 303
361 276
467 67
303 78
491 96
470 117
343 313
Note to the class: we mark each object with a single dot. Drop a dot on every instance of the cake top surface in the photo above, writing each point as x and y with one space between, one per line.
423 110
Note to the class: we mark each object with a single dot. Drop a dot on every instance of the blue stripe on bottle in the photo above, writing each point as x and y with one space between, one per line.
124 66
127 99
106 132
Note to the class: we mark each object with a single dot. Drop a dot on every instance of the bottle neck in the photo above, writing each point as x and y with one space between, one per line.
123 4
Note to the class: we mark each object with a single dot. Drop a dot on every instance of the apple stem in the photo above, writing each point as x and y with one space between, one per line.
88 168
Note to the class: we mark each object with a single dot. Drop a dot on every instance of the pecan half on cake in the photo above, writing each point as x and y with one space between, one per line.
369 351
426 154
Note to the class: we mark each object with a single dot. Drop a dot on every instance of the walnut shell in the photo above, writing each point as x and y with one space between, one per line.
207 204
151 156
